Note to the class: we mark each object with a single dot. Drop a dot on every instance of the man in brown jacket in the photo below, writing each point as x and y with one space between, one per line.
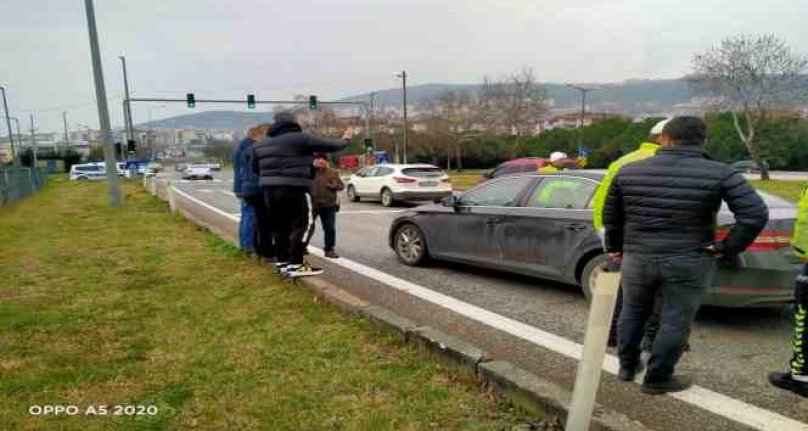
325 202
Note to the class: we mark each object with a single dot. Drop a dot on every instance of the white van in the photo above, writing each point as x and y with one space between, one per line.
88 171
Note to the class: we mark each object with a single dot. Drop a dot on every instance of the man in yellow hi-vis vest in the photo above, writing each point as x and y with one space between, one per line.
556 164
647 149
796 379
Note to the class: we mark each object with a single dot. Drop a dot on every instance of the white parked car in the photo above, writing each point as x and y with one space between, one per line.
197 172
395 183
88 171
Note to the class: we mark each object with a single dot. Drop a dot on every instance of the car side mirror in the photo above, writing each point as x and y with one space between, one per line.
488 175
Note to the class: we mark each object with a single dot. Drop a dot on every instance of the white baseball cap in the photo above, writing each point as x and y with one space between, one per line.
556 156
659 127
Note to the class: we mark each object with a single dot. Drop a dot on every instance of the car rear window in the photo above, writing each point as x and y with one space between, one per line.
423 172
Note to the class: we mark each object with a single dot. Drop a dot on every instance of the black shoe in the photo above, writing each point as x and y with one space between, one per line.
331 254
628 374
785 381
674 384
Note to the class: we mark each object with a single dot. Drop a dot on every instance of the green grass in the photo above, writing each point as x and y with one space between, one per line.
137 306
466 179
786 189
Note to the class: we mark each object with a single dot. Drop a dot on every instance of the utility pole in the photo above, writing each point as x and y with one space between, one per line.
64 122
33 145
127 108
103 110
583 91
403 76
8 123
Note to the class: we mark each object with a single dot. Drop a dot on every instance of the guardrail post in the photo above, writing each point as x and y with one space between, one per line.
587 379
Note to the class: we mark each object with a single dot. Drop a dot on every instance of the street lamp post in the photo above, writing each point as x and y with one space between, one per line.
583 91
403 76
8 122
103 110
127 107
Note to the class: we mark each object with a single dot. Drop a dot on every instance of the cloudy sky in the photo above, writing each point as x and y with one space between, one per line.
334 48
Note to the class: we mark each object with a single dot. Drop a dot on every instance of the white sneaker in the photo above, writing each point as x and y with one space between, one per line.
303 270
280 267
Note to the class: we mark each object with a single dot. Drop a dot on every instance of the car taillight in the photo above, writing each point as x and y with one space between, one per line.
768 240
402 180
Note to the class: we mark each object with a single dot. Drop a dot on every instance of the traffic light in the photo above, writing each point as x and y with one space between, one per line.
368 145
190 99
313 103
250 101
130 146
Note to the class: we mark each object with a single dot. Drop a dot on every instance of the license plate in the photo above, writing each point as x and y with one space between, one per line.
428 183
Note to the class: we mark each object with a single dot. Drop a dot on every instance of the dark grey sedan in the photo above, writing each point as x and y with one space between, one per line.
541 226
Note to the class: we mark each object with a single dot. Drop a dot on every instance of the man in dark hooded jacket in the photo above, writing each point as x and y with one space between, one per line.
285 162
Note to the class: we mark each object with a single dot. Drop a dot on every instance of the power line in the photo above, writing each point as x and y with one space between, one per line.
73 106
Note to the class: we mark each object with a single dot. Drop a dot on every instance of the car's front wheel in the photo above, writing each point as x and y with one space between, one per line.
387 198
410 245
352 196
590 274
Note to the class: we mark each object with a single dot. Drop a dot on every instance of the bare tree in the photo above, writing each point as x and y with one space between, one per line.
513 105
751 76
460 111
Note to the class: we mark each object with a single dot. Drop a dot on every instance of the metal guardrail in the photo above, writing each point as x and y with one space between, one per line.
17 183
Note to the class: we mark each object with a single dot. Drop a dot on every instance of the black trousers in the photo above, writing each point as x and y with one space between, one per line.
799 342
263 243
291 219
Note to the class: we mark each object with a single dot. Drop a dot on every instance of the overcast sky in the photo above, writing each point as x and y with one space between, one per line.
335 48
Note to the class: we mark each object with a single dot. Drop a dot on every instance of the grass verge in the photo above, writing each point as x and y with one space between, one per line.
785 189
135 306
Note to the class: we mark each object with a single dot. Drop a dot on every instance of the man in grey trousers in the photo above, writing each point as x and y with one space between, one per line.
661 212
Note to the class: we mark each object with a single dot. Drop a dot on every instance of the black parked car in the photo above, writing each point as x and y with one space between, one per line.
541 225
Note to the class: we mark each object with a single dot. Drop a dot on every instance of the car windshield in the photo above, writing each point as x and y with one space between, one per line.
501 193
423 172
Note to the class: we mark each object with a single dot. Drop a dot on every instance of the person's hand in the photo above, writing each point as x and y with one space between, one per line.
713 251
616 257
347 134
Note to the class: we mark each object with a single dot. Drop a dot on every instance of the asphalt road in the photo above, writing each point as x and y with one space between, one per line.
732 350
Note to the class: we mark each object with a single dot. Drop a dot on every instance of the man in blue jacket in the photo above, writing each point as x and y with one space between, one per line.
254 228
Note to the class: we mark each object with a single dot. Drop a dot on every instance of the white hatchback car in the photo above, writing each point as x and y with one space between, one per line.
88 171
392 183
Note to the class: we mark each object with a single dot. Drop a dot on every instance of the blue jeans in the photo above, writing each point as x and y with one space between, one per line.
246 227
680 280
328 218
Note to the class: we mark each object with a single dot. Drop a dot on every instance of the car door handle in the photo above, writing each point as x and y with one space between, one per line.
494 220
576 226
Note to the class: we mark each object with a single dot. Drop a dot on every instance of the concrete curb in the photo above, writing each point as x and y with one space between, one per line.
521 388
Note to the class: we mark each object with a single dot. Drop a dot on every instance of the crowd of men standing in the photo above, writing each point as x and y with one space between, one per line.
282 177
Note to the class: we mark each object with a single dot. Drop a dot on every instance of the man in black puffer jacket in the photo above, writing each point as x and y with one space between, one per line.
285 163
661 212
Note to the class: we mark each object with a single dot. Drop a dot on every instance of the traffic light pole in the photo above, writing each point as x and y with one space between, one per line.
362 105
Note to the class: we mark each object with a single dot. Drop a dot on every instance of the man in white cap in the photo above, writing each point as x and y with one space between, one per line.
557 160
646 149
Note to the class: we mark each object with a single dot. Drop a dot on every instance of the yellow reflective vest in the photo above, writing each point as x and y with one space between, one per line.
548 169
646 150
799 241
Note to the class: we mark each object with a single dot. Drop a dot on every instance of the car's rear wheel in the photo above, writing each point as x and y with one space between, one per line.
82 179
590 274
410 245
387 198
352 196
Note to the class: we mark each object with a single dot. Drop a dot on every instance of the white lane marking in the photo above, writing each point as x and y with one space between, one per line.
714 402
205 190
234 217
228 192
349 212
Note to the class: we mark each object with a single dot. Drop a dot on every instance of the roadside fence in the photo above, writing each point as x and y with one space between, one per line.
17 183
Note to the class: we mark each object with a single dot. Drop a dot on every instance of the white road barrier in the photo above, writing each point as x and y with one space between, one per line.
587 379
